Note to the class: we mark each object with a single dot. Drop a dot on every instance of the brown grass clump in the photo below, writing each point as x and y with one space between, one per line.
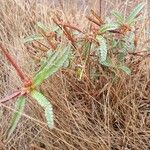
105 115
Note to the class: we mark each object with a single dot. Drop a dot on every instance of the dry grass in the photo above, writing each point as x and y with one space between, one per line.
104 116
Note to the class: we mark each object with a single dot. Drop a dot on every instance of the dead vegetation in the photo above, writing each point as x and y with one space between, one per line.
105 115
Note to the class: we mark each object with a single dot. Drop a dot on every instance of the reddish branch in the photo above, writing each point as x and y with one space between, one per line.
67 25
66 31
93 20
97 20
71 26
97 17
48 38
13 62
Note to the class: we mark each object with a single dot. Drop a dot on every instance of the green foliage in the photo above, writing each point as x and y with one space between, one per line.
108 27
108 45
121 57
42 26
19 108
103 48
125 69
128 43
33 38
119 17
54 63
131 18
43 102
109 64
49 116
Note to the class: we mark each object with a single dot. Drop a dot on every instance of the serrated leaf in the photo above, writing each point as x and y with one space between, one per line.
108 20
103 48
86 49
19 107
114 43
33 38
119 17
50 53
40 98
45 60
53 65
66 64
128 44
55 28
107 63
50 60
125 69
134 13
43 102
49 116
42 26
108 27
121 56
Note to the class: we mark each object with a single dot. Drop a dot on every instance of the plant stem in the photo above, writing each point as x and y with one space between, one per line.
13 62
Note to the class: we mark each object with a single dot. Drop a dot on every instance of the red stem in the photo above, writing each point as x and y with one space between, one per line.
70 26
97 17
93 20
66 32
12 61
7 98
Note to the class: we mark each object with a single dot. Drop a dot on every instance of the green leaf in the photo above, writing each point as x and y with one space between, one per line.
128 44
86 47
53 65
108 27
66 64
134 13
45 60
40 98
42 26
33 38
107 63
121 56
43 102
55 28
114 43
49 116
50 53
125 69
108 20
50 60
119 17
19 107
102 48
